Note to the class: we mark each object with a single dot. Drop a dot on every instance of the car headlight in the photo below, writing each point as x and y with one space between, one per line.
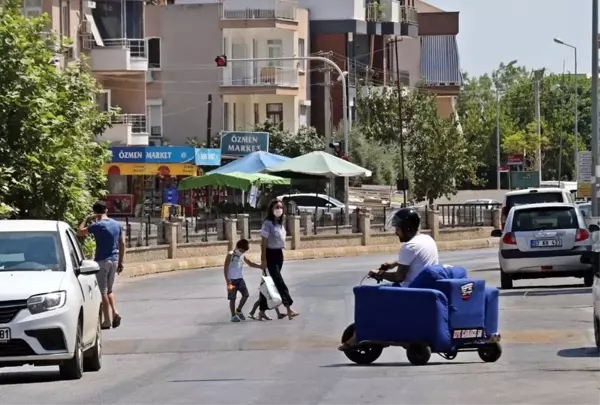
46 302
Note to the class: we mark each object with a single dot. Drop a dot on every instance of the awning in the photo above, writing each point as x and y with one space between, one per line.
440 61
150 169
89 18
242 181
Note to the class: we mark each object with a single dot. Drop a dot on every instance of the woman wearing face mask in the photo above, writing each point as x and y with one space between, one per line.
273 242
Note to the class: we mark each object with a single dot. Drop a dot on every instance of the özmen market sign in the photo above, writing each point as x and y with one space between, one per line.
243 143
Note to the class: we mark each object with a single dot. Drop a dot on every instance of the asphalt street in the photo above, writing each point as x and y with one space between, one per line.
177 346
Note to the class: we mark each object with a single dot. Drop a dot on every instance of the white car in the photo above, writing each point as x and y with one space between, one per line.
310 202
543 240
50 302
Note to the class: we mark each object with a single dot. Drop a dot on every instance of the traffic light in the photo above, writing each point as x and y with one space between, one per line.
221 60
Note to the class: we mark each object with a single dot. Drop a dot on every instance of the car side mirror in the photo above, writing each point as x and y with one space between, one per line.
496 233
594 228
89 267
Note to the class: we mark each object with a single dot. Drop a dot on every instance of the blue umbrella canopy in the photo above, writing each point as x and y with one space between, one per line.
254 162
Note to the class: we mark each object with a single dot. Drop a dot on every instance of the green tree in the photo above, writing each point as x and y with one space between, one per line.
48 124
286 143
437 154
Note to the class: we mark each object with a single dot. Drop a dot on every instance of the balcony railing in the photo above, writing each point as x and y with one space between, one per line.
137 122
261 74
409 14
136 47
373 12
259 10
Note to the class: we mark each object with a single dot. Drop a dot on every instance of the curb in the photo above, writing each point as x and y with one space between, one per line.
192 263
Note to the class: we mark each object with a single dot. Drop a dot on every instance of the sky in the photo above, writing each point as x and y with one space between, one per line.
494 31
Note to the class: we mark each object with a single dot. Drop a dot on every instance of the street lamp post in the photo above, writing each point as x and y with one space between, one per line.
344 107
576 112
498 162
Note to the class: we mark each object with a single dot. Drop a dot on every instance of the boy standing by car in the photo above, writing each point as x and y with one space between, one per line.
233 271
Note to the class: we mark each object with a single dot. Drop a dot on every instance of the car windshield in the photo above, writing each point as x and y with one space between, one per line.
533 198
332 200
30 251
549 218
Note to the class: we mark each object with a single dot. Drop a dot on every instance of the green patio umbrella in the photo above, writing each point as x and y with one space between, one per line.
238 180
319 164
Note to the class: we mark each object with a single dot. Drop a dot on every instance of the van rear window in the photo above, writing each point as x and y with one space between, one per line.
533 198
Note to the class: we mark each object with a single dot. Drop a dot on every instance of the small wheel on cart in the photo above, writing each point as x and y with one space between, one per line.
418 354
364 354
490 352
451 355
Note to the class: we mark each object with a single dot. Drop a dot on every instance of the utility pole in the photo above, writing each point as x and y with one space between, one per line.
595 212
498 162
327 84
400 127
539 125
209 122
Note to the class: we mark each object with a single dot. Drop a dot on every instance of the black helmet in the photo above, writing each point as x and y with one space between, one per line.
407 219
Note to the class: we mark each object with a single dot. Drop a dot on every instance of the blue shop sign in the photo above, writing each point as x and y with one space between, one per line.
244 143
208 157
153 154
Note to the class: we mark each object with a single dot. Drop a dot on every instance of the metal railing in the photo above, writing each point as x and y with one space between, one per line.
284 74
409 14
467 215
136 47
137 122
372 12
259 10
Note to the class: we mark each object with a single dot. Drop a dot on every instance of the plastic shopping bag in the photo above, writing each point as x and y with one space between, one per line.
268 289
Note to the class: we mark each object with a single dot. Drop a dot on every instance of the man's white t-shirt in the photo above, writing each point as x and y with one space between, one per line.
418 253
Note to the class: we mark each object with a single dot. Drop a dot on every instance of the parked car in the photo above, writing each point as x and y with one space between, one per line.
585 208
543 240
596 296
50 303
312 203
534 196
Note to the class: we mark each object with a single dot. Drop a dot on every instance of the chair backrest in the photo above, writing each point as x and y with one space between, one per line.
430 274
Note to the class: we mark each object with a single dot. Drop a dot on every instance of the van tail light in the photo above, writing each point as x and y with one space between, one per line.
509 239
582 234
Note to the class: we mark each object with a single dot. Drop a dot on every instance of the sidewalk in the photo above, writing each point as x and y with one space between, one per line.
164 266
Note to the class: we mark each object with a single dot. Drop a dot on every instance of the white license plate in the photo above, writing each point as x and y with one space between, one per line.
4 335
546 243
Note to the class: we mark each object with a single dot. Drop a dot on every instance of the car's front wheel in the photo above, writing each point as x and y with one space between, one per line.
72 369
93 357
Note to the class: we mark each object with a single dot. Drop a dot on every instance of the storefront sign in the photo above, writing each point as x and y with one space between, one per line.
208 157
153 154
120 204
243 143
149 169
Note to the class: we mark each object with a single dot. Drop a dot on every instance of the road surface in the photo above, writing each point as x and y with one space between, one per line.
177 346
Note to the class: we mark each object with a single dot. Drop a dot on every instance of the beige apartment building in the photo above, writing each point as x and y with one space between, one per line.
192 33
110 33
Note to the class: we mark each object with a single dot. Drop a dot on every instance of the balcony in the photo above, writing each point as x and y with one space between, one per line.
399 19
259 14
119 56
261 77
127 129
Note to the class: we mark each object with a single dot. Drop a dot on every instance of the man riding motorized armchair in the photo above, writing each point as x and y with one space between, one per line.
416 253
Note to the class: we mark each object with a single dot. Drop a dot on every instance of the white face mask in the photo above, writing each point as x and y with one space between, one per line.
278 212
